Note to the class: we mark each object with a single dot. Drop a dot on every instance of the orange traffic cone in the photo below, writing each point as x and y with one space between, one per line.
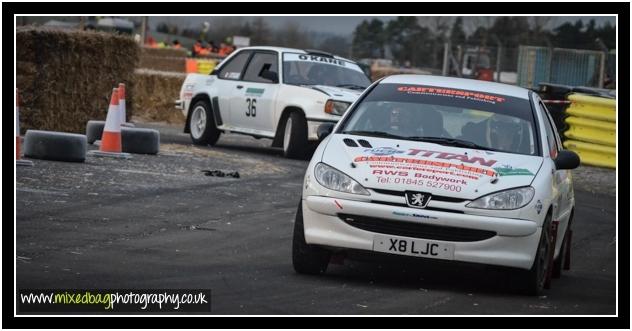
111 138
121 95
18 161
111 144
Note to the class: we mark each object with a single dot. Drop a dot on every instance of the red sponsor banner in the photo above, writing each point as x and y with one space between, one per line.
451 92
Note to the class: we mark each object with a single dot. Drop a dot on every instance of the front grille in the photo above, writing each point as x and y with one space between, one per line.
434 197
415 230
454 211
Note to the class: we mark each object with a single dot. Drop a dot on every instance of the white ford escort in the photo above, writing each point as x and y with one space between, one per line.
441 168
270 92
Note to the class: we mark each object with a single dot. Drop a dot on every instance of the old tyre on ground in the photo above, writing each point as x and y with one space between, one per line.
307 259
94 131
140 141
533 281
295 136
202 126
55 146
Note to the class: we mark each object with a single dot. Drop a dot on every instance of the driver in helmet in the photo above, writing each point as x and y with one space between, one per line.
402 122
504 132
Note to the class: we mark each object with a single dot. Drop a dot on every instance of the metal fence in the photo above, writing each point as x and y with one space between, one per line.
573 67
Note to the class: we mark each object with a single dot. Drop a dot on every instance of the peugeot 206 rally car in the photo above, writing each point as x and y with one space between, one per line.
270 92
441 168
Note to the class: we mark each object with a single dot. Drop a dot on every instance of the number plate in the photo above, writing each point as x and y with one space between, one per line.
413 247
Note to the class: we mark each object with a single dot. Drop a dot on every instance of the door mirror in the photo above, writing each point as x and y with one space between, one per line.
324 130
270 75
566 160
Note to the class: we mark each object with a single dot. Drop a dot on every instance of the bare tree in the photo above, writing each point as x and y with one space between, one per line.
439 25
440 28
538 23
293 35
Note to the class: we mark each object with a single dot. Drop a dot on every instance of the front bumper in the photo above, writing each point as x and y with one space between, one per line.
514 244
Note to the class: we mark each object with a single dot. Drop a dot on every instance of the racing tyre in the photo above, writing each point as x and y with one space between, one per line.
307 259
140 140
202 124
55 146
563 259
295 136
534 280
94 131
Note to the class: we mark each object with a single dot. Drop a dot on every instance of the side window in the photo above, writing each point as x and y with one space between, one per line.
233 69
261 62
551 137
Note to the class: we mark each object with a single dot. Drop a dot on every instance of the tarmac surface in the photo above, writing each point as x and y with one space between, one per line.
160 222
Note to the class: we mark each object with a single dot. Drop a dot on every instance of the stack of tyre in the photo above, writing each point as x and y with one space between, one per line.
557 108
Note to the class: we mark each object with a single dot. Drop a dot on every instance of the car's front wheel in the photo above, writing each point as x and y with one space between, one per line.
534 280
202 125
307 259
295 136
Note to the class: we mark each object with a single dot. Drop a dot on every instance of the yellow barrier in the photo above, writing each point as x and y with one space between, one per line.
602 109
592 129
205 66
200 66
593 154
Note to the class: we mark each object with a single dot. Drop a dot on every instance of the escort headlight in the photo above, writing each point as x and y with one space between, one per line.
505 200
336 107
336 180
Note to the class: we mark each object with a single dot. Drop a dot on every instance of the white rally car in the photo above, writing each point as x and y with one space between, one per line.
441 168
269 92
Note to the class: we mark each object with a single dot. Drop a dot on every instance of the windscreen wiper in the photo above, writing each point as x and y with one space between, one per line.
374 134
453 142
352 86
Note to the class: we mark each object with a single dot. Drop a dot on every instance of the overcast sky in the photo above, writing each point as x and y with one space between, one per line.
342 25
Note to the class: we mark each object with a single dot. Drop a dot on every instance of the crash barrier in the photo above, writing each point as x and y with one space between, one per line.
554 97
65 76
592 129
593 154
200 66
18 159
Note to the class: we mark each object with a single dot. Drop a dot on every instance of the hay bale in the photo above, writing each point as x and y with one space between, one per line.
155 95
163 52
66 77
163 59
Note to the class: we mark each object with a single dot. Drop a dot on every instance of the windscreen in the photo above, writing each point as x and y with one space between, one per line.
307 69
486 120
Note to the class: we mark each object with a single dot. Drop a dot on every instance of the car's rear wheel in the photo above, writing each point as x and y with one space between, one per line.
534 280
295 136
307 259
202 125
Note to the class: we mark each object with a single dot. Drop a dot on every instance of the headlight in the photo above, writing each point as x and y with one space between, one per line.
336 180
336 107
510 199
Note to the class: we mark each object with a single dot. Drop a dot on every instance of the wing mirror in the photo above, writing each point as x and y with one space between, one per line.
324 130
566 160
270 75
